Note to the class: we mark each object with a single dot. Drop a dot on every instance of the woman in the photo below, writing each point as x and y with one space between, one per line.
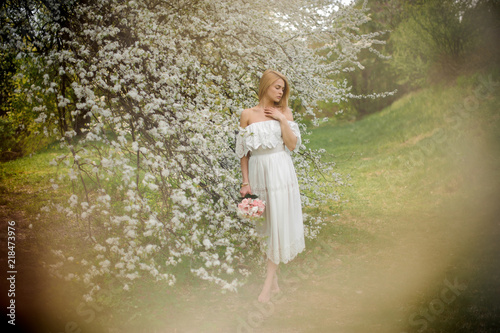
267 135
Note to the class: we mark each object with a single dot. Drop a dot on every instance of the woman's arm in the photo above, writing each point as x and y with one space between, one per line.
245 186
289 138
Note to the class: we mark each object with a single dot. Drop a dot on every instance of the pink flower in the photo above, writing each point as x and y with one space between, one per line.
243 207
260 205
251 207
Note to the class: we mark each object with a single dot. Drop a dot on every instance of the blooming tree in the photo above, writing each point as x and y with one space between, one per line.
146 95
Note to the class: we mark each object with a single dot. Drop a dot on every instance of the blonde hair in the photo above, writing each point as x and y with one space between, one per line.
267 79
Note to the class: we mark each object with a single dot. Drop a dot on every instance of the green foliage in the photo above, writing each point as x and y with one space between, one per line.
413 143
23 69
7 139
426 42
378 75
8 68
19 133
439 40
411 56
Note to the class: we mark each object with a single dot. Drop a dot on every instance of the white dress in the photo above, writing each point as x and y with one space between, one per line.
272 178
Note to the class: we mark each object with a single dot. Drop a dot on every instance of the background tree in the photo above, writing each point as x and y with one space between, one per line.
377 74
9 147
39 30
439 40
424 42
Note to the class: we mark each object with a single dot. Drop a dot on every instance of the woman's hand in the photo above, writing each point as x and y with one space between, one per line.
274 113
245 190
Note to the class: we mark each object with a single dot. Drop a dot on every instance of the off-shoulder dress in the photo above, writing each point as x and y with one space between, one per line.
272 178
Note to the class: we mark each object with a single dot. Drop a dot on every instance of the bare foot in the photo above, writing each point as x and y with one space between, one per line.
269 282
275 289
265 295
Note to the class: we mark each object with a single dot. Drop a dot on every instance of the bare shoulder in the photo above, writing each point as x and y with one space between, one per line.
245 117
288 114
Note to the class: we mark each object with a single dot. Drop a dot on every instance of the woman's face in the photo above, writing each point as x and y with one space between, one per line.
276 90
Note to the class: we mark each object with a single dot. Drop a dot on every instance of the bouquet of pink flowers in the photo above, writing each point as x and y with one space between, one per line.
251 206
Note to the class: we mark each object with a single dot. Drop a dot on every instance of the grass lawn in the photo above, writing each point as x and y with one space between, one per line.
415 248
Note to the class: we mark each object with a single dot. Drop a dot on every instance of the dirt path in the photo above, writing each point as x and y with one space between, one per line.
29 277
